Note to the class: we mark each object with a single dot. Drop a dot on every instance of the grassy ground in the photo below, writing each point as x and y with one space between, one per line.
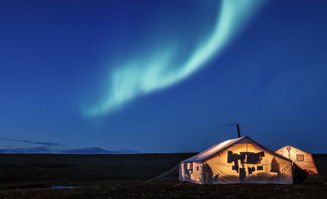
172 189
122 176
44 170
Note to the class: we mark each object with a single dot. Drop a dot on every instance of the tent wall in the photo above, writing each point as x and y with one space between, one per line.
303 159
247 163
191 172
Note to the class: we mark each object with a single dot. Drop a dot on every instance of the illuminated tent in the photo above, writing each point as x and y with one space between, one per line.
302 159
239 160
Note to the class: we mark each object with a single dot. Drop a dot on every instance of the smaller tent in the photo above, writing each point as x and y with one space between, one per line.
239 160
302 159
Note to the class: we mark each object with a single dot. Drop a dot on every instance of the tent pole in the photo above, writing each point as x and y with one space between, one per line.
238 130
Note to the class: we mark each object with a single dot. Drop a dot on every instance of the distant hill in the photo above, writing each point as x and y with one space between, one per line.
48 150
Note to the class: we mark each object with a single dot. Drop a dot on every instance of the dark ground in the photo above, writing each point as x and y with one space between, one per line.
123 176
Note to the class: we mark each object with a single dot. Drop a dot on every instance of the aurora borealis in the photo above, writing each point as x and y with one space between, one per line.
160 67
162 75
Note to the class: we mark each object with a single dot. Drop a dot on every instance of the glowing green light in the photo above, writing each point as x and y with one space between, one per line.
151 73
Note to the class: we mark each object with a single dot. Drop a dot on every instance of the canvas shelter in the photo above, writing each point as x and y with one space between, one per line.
301 158
239 160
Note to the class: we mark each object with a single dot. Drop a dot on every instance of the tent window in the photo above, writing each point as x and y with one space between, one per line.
197 168
300 157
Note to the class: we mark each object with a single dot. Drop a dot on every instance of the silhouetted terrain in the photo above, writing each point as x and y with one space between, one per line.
44 169
123 176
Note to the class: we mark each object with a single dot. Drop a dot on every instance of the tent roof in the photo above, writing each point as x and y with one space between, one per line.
285 147
212 151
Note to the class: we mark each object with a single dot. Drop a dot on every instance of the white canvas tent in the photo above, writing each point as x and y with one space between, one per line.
239 160
301 158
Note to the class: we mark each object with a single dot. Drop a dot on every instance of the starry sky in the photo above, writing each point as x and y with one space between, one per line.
161 75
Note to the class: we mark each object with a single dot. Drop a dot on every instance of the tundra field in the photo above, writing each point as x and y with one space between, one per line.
124 176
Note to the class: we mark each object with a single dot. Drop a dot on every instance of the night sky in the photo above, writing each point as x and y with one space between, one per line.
162 75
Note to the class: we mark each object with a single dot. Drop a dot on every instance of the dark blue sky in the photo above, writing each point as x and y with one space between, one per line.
57 58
